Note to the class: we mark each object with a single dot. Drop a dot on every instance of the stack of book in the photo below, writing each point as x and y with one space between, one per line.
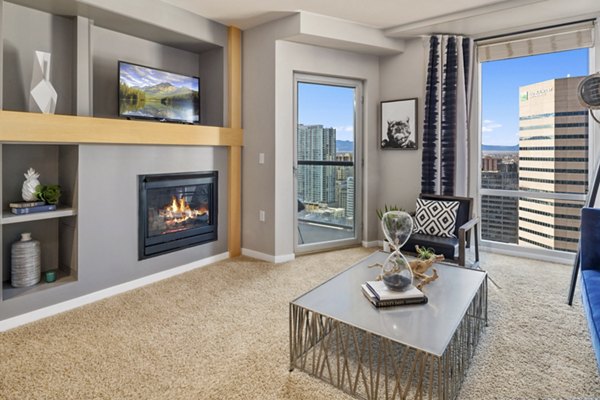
30 207
380 296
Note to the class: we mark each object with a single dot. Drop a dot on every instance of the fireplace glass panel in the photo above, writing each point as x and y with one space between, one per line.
176 211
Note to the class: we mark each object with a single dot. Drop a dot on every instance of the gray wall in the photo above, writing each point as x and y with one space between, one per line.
52 34
109 47
212 69
402 77
268 67
294 57
107 218
258 102
107 175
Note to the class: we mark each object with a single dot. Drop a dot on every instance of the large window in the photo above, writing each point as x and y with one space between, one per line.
535 152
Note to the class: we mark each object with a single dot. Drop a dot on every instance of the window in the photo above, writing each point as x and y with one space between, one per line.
534 135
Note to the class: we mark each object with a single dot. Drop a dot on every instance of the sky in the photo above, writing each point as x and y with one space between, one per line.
136 75
500 82
333 106
330 106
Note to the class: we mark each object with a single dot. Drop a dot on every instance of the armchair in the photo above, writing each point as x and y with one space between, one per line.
453 248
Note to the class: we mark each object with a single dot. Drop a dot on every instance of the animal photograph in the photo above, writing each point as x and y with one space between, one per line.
398 124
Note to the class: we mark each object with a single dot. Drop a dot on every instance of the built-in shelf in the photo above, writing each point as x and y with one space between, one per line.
56 231
87 85
9 292
10 218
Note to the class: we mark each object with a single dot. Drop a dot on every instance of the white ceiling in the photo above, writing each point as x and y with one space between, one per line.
399 17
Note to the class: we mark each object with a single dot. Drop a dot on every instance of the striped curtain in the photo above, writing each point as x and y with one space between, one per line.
447 110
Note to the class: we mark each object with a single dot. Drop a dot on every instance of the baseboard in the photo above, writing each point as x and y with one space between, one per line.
54 309
268 257
531 253
373 243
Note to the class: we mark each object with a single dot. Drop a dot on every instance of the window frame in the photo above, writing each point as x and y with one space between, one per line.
359 88
593 145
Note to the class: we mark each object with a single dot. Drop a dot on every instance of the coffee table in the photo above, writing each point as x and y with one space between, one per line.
403 352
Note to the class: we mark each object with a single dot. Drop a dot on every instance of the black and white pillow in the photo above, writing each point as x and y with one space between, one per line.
436 218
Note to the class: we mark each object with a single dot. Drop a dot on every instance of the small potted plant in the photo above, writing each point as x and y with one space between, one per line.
48 193
425 253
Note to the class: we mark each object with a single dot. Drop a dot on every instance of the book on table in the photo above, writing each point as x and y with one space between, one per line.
35 209
380 296
25 204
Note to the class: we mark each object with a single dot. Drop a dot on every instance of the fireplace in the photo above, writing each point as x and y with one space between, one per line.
176 211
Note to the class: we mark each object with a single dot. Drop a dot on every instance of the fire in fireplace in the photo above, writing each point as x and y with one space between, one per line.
176 211
177 216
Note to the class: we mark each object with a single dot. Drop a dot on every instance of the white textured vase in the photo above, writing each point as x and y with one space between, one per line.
25 262
31 182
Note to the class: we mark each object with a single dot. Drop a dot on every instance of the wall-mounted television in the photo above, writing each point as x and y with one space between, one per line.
152 93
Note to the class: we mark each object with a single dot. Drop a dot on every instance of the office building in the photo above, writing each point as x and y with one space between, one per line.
553 158
316 183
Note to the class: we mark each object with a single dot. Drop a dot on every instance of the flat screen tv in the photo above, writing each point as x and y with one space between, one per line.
152 93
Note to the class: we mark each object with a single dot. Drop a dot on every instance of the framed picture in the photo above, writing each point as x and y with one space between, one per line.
399 124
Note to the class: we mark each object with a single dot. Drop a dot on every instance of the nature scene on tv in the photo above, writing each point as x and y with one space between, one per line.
150 93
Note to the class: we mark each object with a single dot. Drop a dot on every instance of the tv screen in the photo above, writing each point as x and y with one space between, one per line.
156 94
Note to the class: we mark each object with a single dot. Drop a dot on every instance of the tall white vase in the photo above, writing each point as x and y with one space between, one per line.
43 96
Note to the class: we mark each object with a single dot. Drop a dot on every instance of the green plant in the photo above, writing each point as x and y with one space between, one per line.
425 253
381 211
48 193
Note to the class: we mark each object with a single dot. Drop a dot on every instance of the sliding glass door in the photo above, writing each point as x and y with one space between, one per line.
327 178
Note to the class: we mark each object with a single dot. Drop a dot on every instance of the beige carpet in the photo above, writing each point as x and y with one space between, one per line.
221 332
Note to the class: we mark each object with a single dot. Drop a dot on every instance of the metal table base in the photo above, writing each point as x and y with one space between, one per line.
370 366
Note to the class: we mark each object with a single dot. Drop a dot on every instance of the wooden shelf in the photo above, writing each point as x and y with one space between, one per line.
10 218
27 127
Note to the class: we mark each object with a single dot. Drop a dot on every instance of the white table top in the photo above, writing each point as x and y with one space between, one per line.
427 327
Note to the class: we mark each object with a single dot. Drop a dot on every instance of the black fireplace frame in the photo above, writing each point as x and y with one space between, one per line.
151 247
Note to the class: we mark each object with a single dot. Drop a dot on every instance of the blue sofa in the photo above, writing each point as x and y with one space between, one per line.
590 273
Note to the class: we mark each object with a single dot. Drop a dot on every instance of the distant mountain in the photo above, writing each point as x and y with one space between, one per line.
343 146
163 89
489 148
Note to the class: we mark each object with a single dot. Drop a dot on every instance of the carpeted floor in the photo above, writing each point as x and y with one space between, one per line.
221 332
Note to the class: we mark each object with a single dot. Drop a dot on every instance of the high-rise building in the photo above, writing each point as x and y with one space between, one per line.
499 214
341 193
343 172
316 183
350 198
553 158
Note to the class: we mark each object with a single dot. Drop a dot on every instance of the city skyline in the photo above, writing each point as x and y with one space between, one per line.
500 83
327 105
325 191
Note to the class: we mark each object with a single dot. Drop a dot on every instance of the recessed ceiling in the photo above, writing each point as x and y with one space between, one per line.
394 16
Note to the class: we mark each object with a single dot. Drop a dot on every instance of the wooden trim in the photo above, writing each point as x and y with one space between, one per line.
234 215
49 128
234 115
234 57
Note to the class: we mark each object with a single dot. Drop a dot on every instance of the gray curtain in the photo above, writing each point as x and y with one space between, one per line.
447 112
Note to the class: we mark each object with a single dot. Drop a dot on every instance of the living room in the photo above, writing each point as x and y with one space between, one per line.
116 313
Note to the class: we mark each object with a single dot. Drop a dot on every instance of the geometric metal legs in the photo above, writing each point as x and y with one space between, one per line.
372 367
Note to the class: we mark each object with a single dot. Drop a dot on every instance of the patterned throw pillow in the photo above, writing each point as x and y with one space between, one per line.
436 218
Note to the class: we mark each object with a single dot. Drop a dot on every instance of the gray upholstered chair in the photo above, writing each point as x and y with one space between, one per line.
453 248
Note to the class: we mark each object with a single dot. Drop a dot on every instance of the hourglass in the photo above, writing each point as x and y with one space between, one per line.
395 272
